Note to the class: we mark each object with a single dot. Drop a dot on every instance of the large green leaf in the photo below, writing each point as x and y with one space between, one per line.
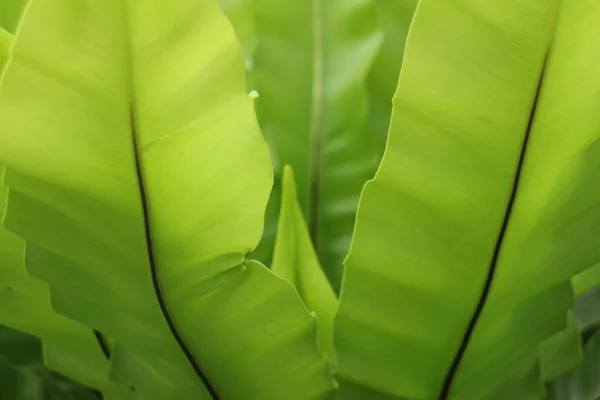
396 16
137 171
295 260
70 348
310 71
484 207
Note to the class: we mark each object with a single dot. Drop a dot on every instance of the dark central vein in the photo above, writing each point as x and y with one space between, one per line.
499 241
102 342
106 351
139 169
152 262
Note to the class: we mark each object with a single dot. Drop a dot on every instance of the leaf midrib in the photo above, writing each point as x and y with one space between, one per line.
139 167
452 371
494 261
103 344
316 119
105 348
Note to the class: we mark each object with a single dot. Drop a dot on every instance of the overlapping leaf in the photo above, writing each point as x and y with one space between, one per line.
70 348
295 260
484 208
23 375
310 71
587 280
241 16
10 14
582 383
139 178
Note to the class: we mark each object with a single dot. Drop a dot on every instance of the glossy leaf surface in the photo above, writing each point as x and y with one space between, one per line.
484 207
70 348
137 172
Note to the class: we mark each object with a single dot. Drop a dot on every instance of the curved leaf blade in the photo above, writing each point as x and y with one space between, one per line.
70 348
153 208
470 272
295 260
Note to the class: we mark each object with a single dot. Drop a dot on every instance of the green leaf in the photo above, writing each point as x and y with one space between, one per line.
10 14
24 376
139 173
310 71
25 384
295 260
241 17
9 376
5 43
560 352
70 348
396 16
587 280
587 311
19 348
582 383
483 209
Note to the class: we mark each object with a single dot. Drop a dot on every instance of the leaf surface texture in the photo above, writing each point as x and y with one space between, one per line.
483 209
137 171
